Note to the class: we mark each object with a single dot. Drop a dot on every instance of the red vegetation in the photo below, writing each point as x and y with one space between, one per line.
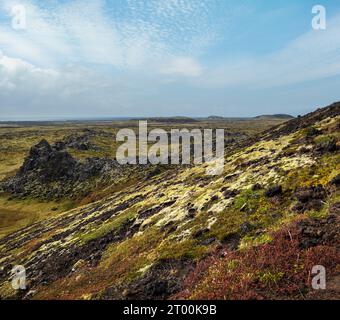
280 269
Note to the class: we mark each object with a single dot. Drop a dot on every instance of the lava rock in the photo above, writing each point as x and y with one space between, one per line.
336 181
200 233
227 194
49 171
256 187
310 198
306 194
328 145
208 241
214 198
81 142
246 227
232 241
273 191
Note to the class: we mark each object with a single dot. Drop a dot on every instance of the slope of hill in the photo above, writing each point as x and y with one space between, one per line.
275 116
253 232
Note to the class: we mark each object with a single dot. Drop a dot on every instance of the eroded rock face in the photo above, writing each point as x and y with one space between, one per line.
50 171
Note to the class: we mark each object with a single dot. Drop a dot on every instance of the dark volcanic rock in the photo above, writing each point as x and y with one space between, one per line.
256 187
310 198
152 211
328 145
246 227
232 241
207 242
227 193
306 194
314 232
164 279
273 191
336 181
47 163
81 142
199 233
51 172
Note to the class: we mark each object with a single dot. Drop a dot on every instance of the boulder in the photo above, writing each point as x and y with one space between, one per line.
310 198
273 191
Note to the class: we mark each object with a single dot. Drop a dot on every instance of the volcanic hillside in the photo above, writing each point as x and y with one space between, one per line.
255 231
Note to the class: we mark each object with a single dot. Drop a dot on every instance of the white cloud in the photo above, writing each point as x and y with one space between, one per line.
16 74
24 81
80 57
27 90
140 34
182 66
312 56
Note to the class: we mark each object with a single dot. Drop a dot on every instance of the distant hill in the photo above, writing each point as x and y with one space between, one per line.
275 116
171 119
260 117
215 118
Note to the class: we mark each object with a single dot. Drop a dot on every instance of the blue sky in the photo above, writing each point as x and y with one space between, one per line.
122 58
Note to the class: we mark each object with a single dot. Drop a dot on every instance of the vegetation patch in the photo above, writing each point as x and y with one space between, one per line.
274 270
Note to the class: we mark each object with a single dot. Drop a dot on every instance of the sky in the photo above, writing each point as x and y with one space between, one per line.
75 59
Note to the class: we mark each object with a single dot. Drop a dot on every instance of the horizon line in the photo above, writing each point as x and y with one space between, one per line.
127 118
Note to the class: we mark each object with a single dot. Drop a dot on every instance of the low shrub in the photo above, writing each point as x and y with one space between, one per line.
275 270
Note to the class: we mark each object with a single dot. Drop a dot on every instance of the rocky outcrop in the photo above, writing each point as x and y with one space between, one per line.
47 164
81 142
162 280
324 231
310 198
274 190
50 171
